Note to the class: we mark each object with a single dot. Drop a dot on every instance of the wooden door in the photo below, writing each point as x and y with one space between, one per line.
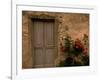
43 43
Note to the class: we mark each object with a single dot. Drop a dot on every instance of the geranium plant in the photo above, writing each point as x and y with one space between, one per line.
76 51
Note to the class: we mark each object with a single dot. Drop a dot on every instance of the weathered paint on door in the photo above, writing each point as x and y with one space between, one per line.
43 43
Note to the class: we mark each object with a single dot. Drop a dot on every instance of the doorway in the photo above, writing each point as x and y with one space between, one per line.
43 42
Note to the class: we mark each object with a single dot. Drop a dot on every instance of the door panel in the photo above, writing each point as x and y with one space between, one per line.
49 56
39 57
49 33
38 33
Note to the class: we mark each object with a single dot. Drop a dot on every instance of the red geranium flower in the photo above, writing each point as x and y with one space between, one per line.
78 46
79 43
85 51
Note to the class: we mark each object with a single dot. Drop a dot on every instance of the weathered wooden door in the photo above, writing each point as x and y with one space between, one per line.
43 43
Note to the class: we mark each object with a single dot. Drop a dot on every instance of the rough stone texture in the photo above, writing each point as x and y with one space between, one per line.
26 50
73 24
